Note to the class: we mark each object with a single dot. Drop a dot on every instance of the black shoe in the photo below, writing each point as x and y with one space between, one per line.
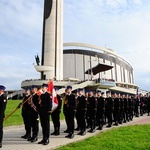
29 138
93 130
83 133
120 122
71 136
41 142
77 129
115 124
109 126
66 131
124 121
79 133
57 133
34 139
53 133
90 130
0 145
24 136
67 136
46 142
99 128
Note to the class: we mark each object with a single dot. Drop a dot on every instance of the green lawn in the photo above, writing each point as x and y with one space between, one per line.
124 138
16 118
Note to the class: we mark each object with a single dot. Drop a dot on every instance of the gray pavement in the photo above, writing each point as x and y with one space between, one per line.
12 140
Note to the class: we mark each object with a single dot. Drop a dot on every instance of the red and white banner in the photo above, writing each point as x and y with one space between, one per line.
51 89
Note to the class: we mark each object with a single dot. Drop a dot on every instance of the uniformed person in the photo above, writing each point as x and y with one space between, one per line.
121 109
92 106
116 111
34 114
130 110
26 114
77 115
3 102
56 115
148 106
126 106
45 102
87 113
137 103
109 108
81 111
100 110
65 103
70 110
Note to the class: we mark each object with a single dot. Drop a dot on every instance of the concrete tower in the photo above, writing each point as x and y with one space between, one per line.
52 42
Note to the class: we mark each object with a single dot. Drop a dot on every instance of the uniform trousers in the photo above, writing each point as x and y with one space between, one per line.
70 120
34 123
1 130
27 121
45 124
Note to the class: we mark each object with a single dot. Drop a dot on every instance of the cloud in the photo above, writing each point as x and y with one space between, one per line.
117 24
122 25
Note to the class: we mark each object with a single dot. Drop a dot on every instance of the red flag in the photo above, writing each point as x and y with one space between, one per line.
51 89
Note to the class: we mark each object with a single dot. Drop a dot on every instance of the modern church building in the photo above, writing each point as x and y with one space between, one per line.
77 64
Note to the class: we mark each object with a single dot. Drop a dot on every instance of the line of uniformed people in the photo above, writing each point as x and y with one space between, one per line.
91 111
94 109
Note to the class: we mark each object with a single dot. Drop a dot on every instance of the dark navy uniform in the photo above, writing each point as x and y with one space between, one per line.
109 110
34 117
56 116
70 109
45 108
81 113
26 115
131 107
3 102
65 102
148 106
100 111
92 103
137 103
126 107
121 110
116 110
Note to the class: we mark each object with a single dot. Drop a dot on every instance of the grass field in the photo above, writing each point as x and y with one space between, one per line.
16 118
124 138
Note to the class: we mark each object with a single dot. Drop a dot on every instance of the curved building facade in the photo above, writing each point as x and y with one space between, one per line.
79 57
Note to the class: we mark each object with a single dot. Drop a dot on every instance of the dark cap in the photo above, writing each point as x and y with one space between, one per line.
80 89
102 93
98 91
90 90
44 85
107 92
2 87
34 86
27 88
69 87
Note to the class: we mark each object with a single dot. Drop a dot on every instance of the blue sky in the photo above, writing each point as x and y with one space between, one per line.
122 25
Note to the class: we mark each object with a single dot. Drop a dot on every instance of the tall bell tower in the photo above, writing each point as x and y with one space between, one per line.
52 41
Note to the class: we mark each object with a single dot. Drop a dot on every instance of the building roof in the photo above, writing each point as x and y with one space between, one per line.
99 68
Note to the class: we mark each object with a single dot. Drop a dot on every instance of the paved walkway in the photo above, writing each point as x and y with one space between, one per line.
12 140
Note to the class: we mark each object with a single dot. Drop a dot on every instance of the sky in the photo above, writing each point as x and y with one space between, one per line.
122 25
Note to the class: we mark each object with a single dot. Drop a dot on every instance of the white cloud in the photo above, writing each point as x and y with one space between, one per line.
122 25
